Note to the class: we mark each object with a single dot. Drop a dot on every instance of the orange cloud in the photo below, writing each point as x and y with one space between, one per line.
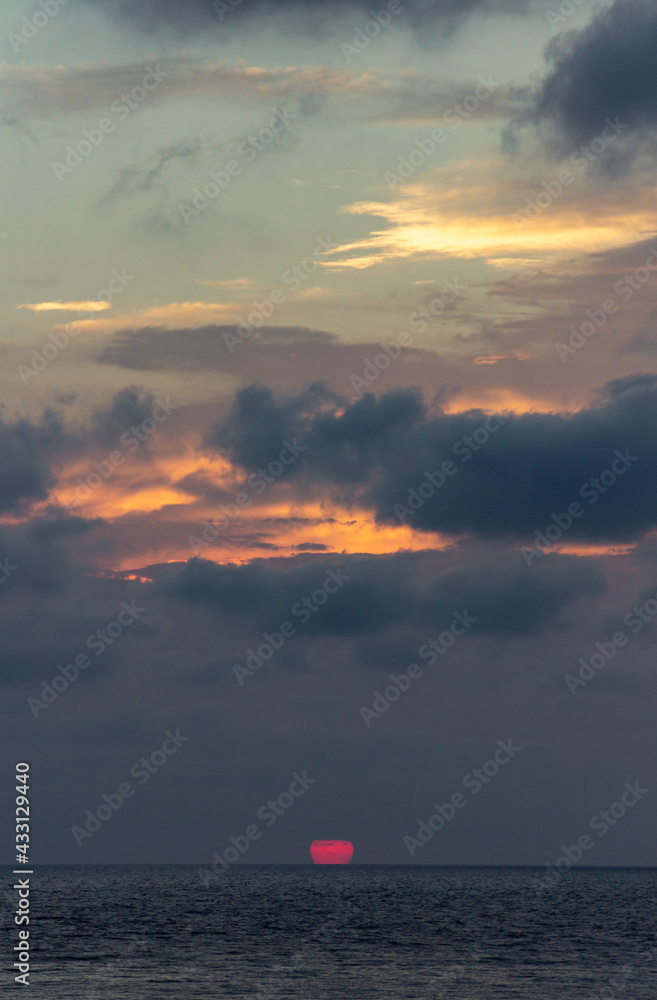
495 359
171 314
157 510
91 306
233 283
441 215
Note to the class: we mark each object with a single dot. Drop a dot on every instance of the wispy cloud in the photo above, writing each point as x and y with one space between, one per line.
411 95
138 179
164 315
233 283
90 306
441 216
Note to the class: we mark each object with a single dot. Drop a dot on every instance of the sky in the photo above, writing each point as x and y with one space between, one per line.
328 440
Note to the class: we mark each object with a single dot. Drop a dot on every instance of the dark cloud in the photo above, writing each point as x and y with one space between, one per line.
189 16
206 347
129 407
604 70
43 554
33 451
258 424
617 387
53 597
53 600
27 456
388 593
508 478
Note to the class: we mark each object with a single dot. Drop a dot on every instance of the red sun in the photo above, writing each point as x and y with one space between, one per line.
331 852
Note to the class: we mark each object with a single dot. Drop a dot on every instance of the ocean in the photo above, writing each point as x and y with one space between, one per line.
273 932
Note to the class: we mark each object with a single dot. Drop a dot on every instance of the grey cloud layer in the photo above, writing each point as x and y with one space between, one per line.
34 92
386 593
189 16
174 667
400 598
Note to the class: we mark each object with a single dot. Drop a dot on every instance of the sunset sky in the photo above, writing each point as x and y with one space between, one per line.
289 290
